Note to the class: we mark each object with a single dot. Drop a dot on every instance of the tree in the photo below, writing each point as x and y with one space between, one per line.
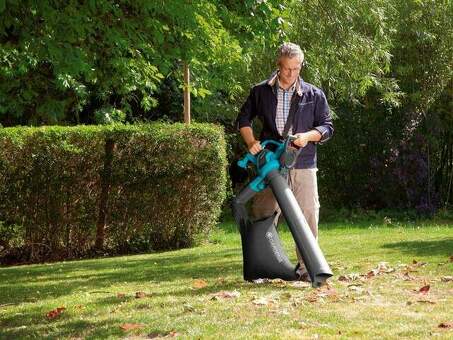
63 61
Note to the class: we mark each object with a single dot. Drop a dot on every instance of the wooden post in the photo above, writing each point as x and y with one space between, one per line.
186 94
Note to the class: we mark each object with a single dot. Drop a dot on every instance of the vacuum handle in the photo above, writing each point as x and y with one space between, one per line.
249 158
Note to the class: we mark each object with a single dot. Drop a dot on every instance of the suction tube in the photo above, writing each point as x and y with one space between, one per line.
313 258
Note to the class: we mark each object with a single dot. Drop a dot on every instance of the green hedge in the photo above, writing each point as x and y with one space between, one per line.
66 191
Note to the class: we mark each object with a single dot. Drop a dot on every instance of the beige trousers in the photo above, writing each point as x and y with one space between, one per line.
304 184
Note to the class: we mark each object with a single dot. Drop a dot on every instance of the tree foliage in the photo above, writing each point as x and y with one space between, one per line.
63 61
347 44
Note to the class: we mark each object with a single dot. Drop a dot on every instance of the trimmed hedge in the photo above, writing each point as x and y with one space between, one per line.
66 191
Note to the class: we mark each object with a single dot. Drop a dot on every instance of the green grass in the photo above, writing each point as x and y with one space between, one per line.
99 294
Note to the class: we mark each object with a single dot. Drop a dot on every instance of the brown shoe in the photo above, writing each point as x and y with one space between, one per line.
303 275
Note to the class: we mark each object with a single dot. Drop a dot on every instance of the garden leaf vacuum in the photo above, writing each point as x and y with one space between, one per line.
263 254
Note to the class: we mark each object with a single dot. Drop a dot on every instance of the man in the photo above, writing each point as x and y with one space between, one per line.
285 95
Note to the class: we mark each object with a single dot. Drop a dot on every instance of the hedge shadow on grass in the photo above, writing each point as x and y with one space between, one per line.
424 248
20 284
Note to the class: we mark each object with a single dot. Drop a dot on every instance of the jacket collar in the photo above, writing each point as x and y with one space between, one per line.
273 82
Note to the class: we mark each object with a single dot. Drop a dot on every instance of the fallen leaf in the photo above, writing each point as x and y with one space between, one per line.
260 281
451 258
355 288
221 280
188 308
280 311
424 289
381 268
140 295
129 326
446 325
372 273
55 313
120 295
349 277
261 301
225 295
427 301
327 292
199 283
304 325
286 295
156 335
312 298
447 278
300 284
343 278
407 277
418 264
279 282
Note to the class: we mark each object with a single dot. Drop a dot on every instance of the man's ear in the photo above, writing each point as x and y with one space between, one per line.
303 64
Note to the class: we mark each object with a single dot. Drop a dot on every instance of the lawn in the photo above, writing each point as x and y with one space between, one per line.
392 280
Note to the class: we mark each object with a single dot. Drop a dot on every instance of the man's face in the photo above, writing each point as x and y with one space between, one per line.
289 69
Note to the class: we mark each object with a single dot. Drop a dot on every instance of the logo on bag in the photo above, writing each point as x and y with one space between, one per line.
274 246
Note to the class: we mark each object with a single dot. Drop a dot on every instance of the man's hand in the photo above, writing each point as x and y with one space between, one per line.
302 139
255 147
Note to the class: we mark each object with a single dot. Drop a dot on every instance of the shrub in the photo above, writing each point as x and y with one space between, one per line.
118 187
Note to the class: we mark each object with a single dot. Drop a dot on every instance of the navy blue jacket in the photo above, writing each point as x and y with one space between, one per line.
311 113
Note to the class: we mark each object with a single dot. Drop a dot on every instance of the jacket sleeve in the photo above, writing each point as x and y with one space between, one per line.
248 111
323 120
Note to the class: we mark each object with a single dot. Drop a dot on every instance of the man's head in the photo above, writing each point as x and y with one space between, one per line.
289 60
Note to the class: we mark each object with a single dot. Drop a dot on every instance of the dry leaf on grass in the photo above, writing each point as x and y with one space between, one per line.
355 288
130 326
221 281
225 295
451 258
55 313
349 277
286 295
120 295
416 263
382 268
446 325
140 295
279 282
405 277
446 278
300 284
188 308
432 302
156 335
312 298
263 301
424 289
275 282
260 281
327 292
199 283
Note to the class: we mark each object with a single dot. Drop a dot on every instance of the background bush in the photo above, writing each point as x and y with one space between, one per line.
162 187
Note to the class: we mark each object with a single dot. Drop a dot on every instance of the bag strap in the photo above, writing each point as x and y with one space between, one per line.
295 100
